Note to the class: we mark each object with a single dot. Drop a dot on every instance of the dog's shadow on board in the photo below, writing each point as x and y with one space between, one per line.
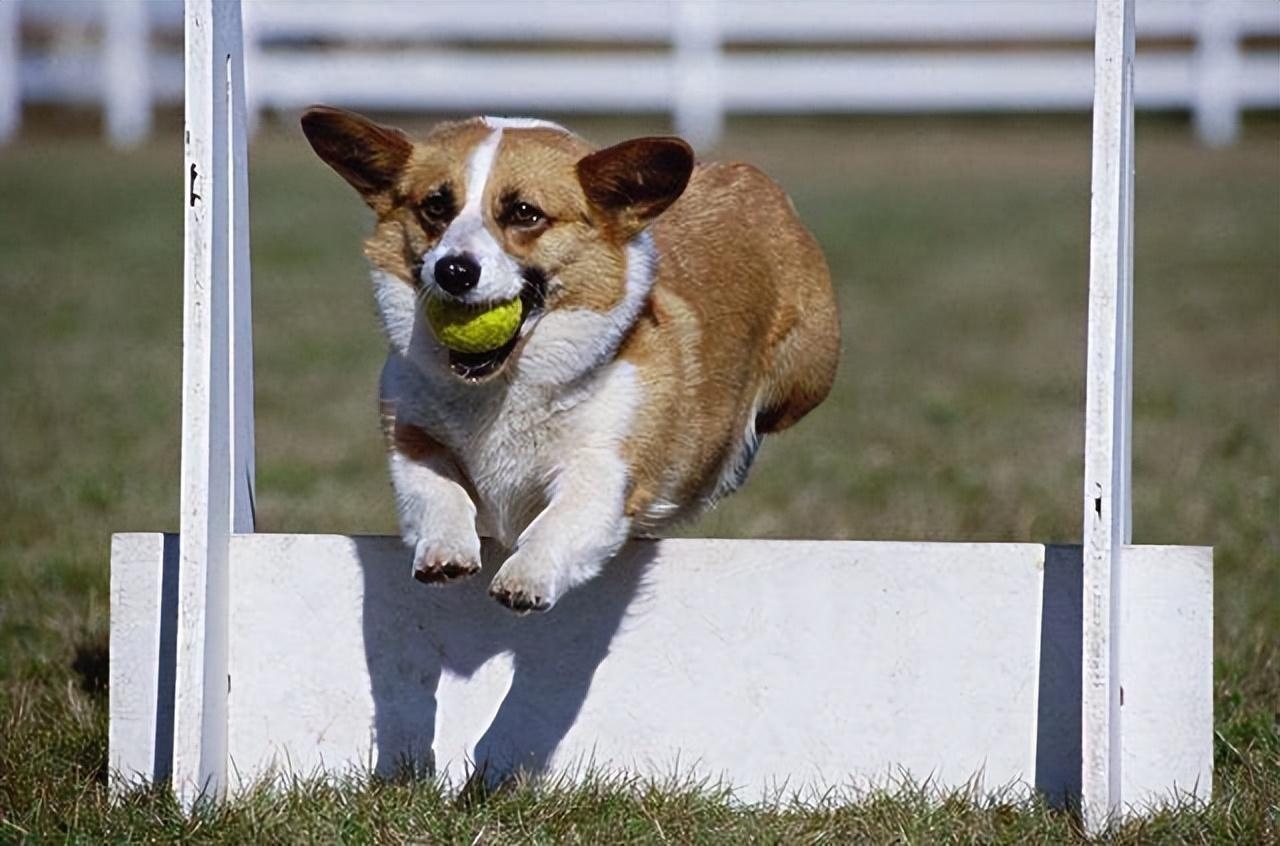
414 634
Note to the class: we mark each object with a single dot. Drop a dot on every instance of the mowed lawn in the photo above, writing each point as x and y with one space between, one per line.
960 253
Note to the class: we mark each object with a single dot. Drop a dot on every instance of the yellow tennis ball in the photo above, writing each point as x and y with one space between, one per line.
468 329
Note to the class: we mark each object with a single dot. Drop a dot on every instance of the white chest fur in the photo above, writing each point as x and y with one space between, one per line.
514 440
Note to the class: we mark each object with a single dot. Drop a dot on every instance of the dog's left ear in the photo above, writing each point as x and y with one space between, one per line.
635 181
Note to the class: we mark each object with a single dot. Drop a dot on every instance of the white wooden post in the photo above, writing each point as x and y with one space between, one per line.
240 124
10 60
251 33
126 83
217 406
1218 59
1107 521
698 98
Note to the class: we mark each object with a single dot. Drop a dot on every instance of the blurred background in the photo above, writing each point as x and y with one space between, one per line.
938 150
695 60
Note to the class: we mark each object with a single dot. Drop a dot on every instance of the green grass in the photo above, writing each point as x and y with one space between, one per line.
960 252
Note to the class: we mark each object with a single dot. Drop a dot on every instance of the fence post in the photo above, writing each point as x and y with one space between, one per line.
217 412
252 52
10 66
698 98
1216 93
126 82
241 123
1108 401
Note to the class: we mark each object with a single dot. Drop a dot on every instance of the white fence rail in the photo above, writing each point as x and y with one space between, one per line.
698 60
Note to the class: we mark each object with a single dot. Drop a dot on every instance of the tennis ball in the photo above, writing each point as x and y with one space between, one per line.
468 329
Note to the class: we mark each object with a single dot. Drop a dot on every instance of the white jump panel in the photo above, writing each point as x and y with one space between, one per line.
1166 672
143 615
819 663
800 664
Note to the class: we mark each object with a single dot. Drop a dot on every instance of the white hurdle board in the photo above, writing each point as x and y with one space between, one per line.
774 667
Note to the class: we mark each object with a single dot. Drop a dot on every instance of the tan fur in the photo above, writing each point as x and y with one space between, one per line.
538 165
742 308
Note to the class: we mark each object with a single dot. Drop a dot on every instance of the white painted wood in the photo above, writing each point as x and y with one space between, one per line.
871 21
76 78
1167 622
514 83
10 64
1107 409
240 291
1215 79
199 762
217 407
566 20
133 735
338 657
1217 109
886 82
698 100
806 21
252 45
126 89
1167 666
779 84
804 664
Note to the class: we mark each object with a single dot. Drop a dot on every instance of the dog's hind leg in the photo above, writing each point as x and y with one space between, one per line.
802 361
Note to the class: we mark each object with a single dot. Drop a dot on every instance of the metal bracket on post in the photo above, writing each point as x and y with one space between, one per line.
217 390
1108 410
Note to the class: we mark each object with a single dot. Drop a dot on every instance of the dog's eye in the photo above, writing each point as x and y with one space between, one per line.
437 207
524 214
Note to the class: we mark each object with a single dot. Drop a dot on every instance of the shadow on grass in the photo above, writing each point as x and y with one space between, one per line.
92 664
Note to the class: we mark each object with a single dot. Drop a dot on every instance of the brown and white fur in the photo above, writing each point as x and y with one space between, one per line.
676 313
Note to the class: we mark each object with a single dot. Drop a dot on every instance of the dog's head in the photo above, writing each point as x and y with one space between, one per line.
488 210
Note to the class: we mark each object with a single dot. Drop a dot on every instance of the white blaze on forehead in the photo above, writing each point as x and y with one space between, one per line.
501 278
520 123
478 168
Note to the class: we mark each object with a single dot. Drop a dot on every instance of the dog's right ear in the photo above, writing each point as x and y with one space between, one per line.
366 154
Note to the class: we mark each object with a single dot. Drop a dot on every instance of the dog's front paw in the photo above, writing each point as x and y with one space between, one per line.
437 561
525 583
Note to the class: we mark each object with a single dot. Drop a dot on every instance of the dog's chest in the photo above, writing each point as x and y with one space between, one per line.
510 455
512 443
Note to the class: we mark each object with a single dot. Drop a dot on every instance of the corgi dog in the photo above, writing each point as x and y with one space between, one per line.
671 314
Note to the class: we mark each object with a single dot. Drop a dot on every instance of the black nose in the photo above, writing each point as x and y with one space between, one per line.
457 273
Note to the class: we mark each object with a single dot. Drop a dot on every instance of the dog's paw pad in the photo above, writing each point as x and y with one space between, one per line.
525 583
437 569
520 600
447 571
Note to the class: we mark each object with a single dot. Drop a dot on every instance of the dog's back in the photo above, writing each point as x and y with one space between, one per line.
741 339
